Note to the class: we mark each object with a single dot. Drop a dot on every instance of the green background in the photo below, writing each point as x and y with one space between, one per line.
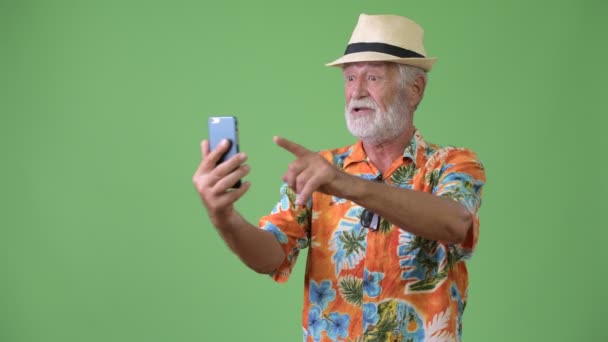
104 103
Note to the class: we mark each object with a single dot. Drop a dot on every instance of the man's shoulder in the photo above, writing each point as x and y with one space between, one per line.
434 152
450 159
450 152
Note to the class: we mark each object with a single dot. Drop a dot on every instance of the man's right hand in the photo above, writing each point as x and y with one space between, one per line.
213 182
258 248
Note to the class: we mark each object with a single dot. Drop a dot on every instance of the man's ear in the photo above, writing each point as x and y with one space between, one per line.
416 91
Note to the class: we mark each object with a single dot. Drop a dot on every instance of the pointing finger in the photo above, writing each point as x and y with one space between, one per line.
296 149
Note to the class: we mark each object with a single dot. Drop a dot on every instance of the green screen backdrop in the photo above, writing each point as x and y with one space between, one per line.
103 105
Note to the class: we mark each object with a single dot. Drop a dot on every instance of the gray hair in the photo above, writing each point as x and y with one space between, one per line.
409 73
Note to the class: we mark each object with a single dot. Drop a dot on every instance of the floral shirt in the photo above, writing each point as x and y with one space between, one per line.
384 284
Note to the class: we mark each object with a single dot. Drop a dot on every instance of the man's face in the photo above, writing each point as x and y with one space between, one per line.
376 109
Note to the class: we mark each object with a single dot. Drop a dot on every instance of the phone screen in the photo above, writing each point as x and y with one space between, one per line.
224 127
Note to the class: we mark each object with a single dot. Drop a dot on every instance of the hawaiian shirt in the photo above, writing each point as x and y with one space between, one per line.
384 284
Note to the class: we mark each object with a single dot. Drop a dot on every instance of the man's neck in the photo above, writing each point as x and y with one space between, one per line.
384 154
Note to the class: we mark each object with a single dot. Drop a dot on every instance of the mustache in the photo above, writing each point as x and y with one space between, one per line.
364 102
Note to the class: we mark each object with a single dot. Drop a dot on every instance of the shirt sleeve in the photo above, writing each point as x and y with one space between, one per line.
461 176
290 225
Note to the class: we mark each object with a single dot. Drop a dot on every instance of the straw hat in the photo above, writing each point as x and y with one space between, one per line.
389 38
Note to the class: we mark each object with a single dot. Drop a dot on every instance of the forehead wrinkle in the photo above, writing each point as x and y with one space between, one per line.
390 69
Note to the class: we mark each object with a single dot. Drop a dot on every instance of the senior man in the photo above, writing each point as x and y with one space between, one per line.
388 221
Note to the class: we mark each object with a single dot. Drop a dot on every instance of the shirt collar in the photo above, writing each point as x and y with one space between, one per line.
357 153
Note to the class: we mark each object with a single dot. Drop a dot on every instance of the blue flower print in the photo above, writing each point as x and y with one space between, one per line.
321 294
456 297
316 322
370 283
463 187
339 158
455 293
278 234
338 200
370 315
337 325
283 203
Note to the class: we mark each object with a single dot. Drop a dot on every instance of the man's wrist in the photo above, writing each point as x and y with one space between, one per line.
347 186
225 221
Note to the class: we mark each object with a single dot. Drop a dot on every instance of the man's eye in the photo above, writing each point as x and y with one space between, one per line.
372 78
350 78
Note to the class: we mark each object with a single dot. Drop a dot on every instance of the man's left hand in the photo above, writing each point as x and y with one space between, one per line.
309 172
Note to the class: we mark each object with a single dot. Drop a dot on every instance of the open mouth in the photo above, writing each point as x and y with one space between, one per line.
361 110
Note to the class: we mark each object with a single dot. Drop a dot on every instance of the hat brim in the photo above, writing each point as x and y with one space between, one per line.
425 63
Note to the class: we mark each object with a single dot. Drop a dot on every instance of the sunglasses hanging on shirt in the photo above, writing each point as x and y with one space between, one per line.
369 219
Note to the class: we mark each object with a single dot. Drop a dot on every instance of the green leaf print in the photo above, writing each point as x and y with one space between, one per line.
411 150
302 216
404 174
351 289
432 178
385 226
387 323
455 195
352 242
291 195
453 256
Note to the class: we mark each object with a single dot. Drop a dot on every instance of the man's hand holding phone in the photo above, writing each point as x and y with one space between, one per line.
214 182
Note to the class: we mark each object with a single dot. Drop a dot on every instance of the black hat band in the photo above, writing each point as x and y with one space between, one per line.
382 48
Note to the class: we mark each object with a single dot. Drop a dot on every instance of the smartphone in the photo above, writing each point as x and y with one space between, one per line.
224 127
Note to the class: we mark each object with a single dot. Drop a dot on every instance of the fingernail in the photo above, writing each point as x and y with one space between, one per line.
224 142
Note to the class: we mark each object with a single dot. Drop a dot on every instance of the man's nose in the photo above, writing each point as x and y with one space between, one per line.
360 89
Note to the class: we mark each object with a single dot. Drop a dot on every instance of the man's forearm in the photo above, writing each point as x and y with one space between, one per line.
257 248
420 213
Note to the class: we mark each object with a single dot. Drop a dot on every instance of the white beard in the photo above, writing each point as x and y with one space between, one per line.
379 126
